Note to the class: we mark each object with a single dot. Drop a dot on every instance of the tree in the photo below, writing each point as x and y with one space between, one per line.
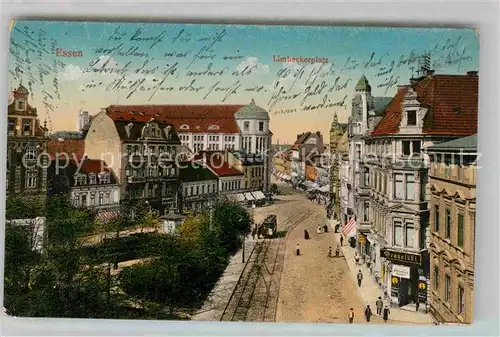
234 221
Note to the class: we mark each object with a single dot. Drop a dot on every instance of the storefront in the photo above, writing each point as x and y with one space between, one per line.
404 276
373 254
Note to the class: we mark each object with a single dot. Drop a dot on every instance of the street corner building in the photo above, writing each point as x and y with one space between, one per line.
452 180
397 202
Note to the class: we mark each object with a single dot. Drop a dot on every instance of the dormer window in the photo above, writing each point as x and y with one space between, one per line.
411 118
92 178
104 178
184 127
80 179
213 127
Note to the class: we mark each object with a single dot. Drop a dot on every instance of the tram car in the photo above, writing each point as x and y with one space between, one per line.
269 227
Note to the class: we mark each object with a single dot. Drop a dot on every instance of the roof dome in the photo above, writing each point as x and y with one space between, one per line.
252 111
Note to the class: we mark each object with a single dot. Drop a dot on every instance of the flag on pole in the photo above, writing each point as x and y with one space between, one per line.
348 227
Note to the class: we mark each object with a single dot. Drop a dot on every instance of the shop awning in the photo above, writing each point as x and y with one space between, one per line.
107 215
239 197
258 195
249 196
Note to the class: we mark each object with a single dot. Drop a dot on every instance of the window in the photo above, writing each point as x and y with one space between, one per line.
246 126
12 125
398 186
261 126
80 179
366 211
203 189
30 151
410 187
436 278
197 190
411 118
92 199
406 148
410 232
101 198
447 227
436 219
92 178
447 288
185 190
416 147
191 190
107 198
104 178
398 233
358 151
461 300
31 179
26 126
460 230
447 171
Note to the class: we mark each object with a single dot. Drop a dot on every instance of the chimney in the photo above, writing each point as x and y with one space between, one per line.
472 73
318 133
414 81
429 72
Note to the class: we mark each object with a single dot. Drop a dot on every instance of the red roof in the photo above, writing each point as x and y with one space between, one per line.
199 118
94 166
452 102
216 161
303 137
74 148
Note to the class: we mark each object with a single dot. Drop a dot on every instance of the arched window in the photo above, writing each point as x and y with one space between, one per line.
30 151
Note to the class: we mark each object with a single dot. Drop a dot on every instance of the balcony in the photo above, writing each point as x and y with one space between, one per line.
363 226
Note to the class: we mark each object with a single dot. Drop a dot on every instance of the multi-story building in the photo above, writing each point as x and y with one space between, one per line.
142 150
452 205
230 180
215 127
337 131
66 149
307 149
392 211
252 167
90 183
199 187
26 142
364 106
345 193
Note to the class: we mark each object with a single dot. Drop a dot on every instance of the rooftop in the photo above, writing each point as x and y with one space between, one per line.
463 143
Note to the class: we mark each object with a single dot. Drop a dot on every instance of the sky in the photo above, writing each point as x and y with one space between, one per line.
152 63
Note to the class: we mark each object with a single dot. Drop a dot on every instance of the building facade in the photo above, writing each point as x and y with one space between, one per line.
337 130
452 205
26 144
252 166
306 150
199 188
392 212
243 128
142 151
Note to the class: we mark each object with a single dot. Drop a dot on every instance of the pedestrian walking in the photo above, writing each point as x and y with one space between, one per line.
318 230
341 240
330 251
356 258
297 250
350 315
337 251
386 313
306 234
368 313
417 305
325 228
380 305
360 278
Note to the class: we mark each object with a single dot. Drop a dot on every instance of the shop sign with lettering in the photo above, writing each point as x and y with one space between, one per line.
401 271
401 257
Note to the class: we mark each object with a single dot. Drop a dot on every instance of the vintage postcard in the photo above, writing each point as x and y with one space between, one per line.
241 172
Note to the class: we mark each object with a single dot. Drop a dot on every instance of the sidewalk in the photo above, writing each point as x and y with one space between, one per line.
370 291
216 303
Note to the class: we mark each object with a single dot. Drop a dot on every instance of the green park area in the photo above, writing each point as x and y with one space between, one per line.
77 276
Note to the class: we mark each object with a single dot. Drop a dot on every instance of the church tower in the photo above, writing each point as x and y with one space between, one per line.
336 132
